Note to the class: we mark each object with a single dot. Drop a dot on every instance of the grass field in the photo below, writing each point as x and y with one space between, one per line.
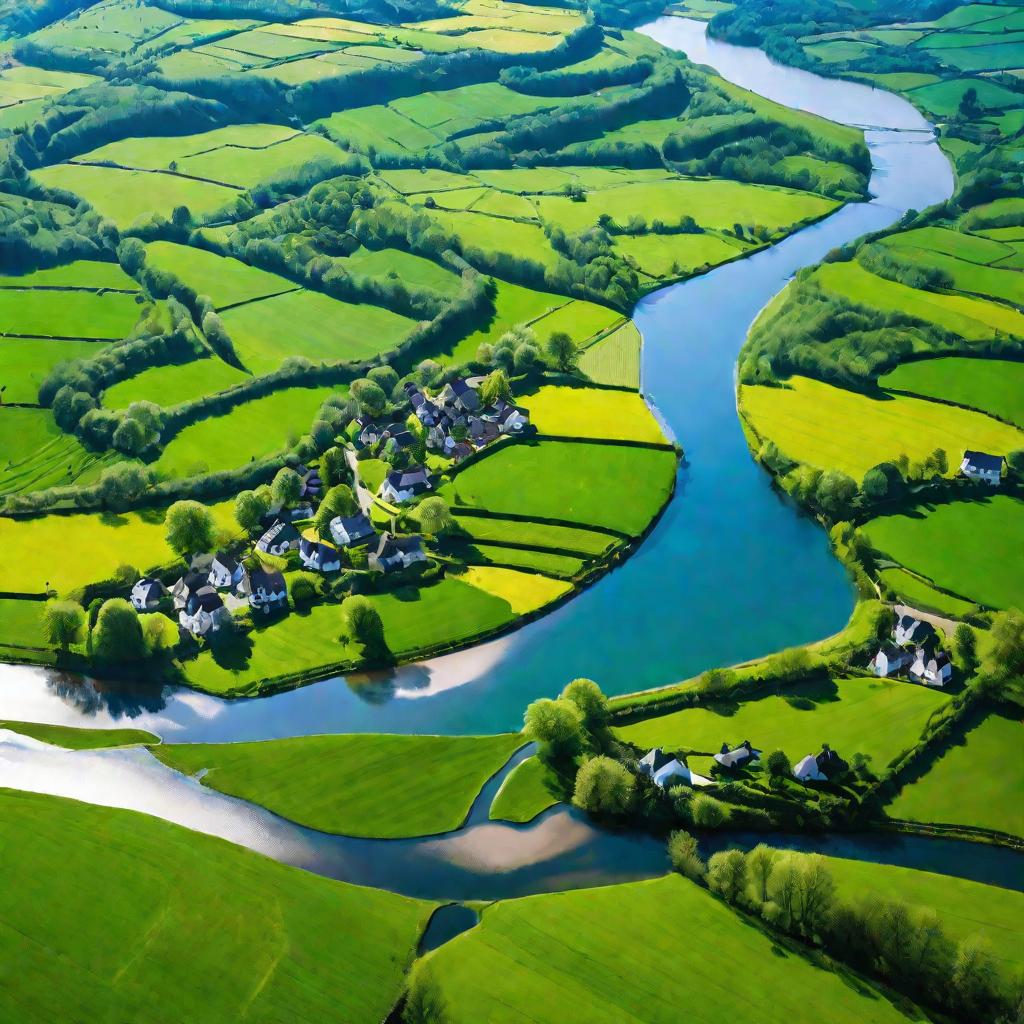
254 430
600 956
557 480
35 312
614 359
413 270
524 794
976 782
918 594
548 535
81 739
93 274
931 543
21 622
548 562
26 362
994 386
525 592
672 255
802 418
877 717
592 412
171 385
265 941
334 783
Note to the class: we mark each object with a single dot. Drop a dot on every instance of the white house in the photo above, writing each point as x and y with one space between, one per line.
264 589
394 553
911 630
806 770
204 612
664 769
319 556
737 757
347 530
981 466
931 666
147 594
187 585
278 539
225 571
402 484
890 659
820 767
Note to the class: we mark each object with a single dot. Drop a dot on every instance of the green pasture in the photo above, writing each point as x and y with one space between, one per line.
592 413
405 266
601 956
580 319
618 487
43 313
21 623
989 282
524 794
493 235
994 386
426 179
969 547
546 535
961 244
550 562
673 255
264 941
247 432
378 126
877 717
524 592
1005 212
174 384
976 782
447 111
26 362
73 738
838 51
614 359
334 783
918 594
943 98
801 419
93 274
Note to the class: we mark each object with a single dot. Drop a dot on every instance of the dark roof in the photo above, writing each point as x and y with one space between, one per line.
224 559
280 532
195 581
509 410
984 461
892 652
829 762
268 579
148 583
660 759
461 385
206 599
415 478
355 526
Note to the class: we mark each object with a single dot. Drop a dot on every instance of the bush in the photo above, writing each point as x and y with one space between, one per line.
604 786
708 812
117 635
684 856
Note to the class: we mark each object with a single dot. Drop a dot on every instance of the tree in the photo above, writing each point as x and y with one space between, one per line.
969 108
974 979
604 786
835 493
383 376
159 633
333 467
708 812
1002 655
685 857
816 890
965 644
556 726
117 635
363 622
435 516
727 874
591 702
250 508
782 888
495 388
122 484
286 488
563 351
189 526
716 681
779 768
64 623
369 395
322 433
340 500
218 338
760 864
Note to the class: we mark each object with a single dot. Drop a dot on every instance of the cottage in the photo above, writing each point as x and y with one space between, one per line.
889 660
664 769
319 556
981 466
737 757
304 510
147 594
393 553
225 571
203 612
932 666
483 432
911 630
187 585
264 589
820 767
348 530
461 451
279 539
367 431
460 394
512 419
402 484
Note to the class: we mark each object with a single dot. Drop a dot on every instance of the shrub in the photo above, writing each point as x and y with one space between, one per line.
708 812
604 786
684 856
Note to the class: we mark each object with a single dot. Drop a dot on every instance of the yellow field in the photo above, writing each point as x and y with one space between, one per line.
592 412
524 591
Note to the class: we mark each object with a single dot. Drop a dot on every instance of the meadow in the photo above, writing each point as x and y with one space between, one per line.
525 592
544 535
524 794
931 543
33 312
592 413
551 563
176 383
21 623
801 417
614 359
264 940
554 957
918 594
334 783
72 738
26 362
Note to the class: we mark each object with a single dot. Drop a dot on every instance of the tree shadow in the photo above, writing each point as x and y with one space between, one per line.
232 652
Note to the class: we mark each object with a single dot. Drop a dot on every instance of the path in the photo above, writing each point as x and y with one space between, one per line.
363 496
948 626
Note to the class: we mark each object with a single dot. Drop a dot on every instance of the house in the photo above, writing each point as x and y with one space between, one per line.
911 630
664 769
279 539
368 431
187 585
981 466
461 451
737 757
201 563
204 612
402 484
820 767
347 530
264 589
931 666
426 411
483 432
512 419
319 556
304 510
394 553
225 571
147 594
890 659
460 394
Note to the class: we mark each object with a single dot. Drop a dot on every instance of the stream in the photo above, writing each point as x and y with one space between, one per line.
732 571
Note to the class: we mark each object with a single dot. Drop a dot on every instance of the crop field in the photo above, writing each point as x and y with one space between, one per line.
801 418
587 543
593 413
174 384
524 794
248 432
615 359
995 386
175 889
553 480
877 717
930 543
551 957
525 592
333 783
961 788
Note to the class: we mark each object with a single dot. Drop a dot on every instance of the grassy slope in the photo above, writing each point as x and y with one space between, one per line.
524 794
592 412
653 952
379 786
81 739
111 916
175 383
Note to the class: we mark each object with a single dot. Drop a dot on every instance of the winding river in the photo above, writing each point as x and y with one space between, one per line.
731 572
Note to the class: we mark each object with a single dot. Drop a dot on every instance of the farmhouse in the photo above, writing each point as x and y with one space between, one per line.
188 585
890 659
664 769
279 539
348 530
394 553
402 484
911 630
737 757
147 594
509 419
981 466
264 589
931 666
203 612
225 571
482 431
461 395
820 767
319 556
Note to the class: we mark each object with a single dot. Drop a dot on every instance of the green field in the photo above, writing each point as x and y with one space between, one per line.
932 543
524 592
334 783
21 622
592 413
546 535
250 431
26 362
549 562
918 594
96 275
801 419
615 359
171 385
524 794
600 956
943 98
264 942
994 386
81 739
977 782
39 313
590 484
413 270
670 256
877 717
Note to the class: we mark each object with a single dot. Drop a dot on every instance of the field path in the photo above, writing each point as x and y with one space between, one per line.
363 496
946 625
